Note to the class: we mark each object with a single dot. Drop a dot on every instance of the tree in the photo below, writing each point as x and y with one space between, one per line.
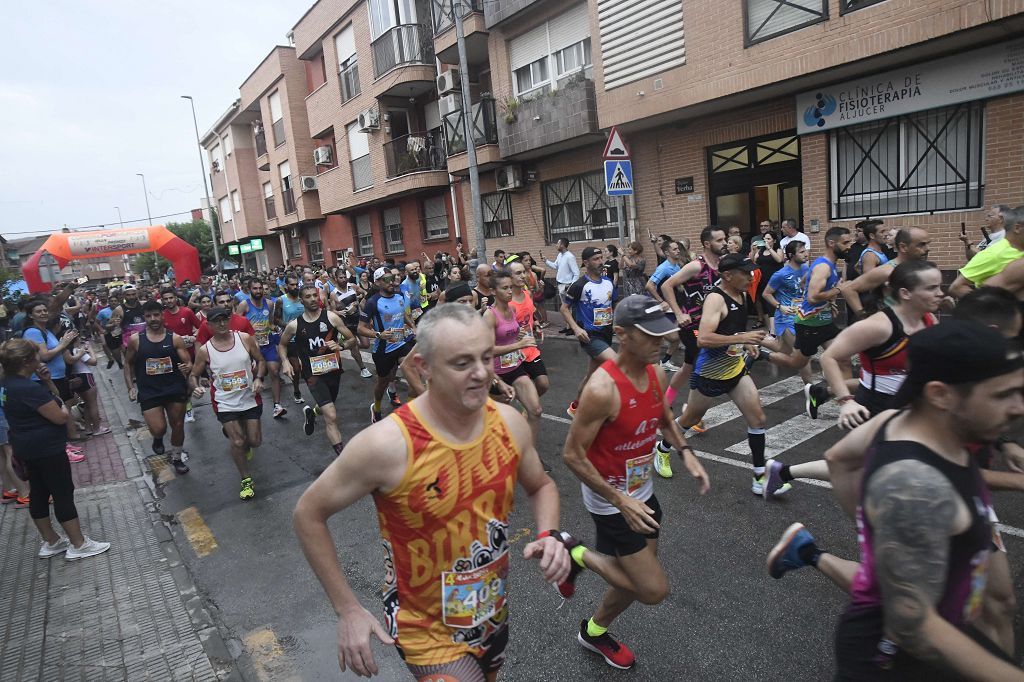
196 233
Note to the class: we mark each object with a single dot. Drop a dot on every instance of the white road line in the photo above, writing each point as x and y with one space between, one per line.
555 418
772 393
788 434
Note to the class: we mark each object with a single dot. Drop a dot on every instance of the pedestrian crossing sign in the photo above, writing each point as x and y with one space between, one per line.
618 177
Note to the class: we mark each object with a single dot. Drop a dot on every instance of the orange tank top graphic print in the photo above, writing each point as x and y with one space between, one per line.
445 536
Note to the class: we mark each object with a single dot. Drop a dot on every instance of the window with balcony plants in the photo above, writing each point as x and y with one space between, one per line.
541 58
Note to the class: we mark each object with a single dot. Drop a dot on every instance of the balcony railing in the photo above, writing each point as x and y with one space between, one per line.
271 208
485 127
349 78
413 153
278 128
288 194
402 44
444 15
261 144
362 172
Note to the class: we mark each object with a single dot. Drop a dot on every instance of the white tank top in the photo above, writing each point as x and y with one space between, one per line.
232 376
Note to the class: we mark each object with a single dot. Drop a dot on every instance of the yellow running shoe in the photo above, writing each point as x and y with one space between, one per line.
247 493
663 462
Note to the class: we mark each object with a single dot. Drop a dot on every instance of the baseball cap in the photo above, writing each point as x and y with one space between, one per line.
381 272
644 313
955 352
590 252
128 287
214 313
735 261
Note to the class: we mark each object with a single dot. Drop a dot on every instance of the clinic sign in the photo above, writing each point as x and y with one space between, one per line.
965 77
107 242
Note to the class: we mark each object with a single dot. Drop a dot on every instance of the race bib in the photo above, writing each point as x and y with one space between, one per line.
469 598
638 472
416 312
735 350
232 381
262 338
393 335
323 364
602 317
510 360
159 366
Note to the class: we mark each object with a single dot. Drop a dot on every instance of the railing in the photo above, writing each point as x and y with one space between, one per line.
413 153
349 78
362 172
278 127
444 15
268 202
288 194
261 144
402 44
485 127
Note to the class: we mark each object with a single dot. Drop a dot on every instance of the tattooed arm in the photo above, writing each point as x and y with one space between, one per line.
914 511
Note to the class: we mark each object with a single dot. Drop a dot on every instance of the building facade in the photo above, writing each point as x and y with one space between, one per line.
824 111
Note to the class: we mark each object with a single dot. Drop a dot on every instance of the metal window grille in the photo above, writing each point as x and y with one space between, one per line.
498 215
435 218
393 231
847 6
767 19
578 208
917 163
364 235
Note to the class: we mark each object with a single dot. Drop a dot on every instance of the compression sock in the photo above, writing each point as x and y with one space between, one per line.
595 630
810 553
670 395
577 555
338 447
785 474
376 404
755 437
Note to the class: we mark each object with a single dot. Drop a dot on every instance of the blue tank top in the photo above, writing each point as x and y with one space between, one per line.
387 316
817 314
882 258
261 318
290 309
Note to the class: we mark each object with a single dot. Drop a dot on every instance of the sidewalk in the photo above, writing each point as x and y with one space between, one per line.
129 614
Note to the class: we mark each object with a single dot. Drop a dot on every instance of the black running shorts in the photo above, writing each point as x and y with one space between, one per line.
536 368
387 363
324 387
252 414
809 339
616 538
713 388
688 339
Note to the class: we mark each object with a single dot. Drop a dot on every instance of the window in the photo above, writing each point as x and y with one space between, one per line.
498 215
295 244
236 201
103 267
385 14
277 118
315 246
216 159
348 65
435 218
268 200
639 39
573 59
225 210
287 195
552 50
846 6
359 157
226 142
533 77
364 236
392 229
918 163
770 18
578 208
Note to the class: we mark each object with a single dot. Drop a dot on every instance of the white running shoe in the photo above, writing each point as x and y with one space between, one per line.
88 548
47 550
189 417
365 373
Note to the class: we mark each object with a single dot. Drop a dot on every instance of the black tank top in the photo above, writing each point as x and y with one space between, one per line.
132 316
156 369
735 321
311 342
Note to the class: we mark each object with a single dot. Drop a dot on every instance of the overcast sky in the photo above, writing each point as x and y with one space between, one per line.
90 96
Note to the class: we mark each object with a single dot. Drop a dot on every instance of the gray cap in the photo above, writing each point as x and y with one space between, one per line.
644 313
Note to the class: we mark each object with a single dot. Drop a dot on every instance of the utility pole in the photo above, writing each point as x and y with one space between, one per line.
145 193
206 185
467 127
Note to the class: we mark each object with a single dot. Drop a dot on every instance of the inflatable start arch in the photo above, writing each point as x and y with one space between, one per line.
68 246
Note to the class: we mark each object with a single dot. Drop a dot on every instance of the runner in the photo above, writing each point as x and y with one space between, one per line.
111 332
385 317
445 605
316 332
291 308
873 253
911 244
129 314
525 309
483 290
183 322
234 390
264 315
666 269
345 302
205 288
721 366
224 299
784 291
157 359
587 309
609 449
413 288
510 340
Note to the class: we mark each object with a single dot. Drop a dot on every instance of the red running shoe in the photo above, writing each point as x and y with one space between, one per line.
615 654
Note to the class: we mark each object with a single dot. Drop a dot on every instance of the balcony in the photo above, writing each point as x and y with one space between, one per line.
485 138
400 45
414 153
362 172
445 44
550 122
268 203
261 143
497 11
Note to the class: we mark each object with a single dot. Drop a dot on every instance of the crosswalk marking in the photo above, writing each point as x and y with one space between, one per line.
788 434
772 393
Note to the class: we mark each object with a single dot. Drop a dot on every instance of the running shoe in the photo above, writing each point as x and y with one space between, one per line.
615 654
180 467
21 503
87 549
76 457
110 363
772 477
70 447
8 496
279 411
365 373
815 395
393 397
47 550
758 487
567 588
310 415
298 399
698 427
158 446
102 431
571 410
190 418
375 416
785 555
668 366
663 462
247 492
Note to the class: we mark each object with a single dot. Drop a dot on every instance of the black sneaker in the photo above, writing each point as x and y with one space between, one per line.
567 588
310 415
110 363
158 446
815 395
180 467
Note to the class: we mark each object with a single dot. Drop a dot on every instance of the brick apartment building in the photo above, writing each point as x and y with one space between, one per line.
826 111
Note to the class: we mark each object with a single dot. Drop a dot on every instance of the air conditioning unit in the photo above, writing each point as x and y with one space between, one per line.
449 81
508 178
369 120
322 156
449 104
307 183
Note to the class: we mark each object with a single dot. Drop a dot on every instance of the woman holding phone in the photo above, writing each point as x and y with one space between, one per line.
766 254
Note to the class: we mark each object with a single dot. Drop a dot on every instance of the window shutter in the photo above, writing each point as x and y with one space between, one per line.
529 47
345 44
639 38
569 27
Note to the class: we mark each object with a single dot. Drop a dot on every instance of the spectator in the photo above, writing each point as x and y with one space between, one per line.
791 232
634 278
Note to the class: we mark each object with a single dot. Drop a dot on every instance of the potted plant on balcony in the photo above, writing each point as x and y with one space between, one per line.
509 109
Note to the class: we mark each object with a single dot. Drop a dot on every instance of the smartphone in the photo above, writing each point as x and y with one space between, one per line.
759 243
963 229
81 280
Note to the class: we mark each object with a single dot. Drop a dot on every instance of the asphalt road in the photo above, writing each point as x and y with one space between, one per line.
725 619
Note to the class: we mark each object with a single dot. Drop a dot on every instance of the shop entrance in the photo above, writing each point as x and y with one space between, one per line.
754 180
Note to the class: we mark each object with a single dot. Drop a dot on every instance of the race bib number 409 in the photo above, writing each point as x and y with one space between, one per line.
469 598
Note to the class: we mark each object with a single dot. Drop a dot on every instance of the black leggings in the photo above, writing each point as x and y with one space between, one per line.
51 476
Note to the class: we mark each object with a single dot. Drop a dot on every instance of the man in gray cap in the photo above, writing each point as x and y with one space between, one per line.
609 445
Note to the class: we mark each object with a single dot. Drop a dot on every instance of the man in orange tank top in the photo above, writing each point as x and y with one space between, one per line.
442 471
609 448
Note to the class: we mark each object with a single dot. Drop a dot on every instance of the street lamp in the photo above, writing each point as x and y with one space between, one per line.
206 186
119 218
145 192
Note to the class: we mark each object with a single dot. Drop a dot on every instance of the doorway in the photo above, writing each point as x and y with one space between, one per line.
755 180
